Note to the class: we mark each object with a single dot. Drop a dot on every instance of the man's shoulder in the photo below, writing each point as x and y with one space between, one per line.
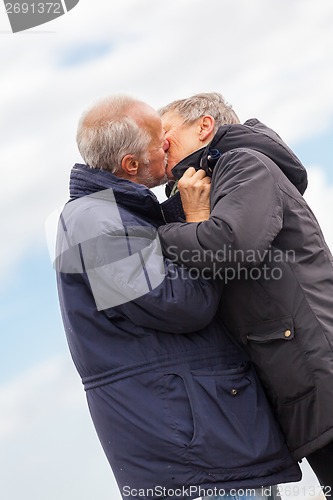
99 214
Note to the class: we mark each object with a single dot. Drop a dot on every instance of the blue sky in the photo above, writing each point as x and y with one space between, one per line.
317 150
30 297
273 60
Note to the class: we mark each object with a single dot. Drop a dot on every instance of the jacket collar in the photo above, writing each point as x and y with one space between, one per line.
136 197
205 158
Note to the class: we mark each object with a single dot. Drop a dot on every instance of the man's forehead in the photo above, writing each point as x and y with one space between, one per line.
148 119
142 111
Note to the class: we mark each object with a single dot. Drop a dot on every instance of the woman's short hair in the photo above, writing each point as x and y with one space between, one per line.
210 103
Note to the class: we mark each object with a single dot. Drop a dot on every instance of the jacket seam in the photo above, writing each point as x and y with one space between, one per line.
253 152
310 308
144 367
301 287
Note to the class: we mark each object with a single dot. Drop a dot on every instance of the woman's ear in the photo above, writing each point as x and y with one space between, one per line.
130 165
207 124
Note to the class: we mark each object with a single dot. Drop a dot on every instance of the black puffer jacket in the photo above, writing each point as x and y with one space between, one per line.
264 242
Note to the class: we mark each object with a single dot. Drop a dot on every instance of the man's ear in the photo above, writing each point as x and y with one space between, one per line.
207 124
130 165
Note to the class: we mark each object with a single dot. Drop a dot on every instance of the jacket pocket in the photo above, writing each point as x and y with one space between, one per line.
178 408
276 351
220 416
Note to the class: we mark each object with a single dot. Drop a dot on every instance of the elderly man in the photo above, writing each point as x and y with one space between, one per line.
176 405
264 242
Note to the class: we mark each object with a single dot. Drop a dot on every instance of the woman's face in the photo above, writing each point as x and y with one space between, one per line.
183 138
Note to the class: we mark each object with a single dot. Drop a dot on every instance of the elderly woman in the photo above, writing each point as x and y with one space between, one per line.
264 242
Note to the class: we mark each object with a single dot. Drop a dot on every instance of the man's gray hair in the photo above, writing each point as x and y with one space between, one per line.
106 133
210 103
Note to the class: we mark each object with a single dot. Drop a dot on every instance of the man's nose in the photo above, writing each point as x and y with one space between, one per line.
166 145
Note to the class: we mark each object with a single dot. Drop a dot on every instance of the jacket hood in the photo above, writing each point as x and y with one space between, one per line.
253 135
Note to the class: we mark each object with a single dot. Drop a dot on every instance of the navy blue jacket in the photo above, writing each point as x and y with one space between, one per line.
174 401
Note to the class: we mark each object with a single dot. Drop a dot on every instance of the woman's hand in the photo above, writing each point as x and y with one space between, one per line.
194 189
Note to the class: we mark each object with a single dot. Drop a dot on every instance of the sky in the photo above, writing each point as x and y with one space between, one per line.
272 59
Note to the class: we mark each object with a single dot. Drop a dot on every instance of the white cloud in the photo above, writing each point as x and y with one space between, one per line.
319 196
272 60
48 447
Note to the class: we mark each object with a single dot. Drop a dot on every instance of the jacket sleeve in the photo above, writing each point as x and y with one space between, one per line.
130 275
246 216
125 271
180 304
